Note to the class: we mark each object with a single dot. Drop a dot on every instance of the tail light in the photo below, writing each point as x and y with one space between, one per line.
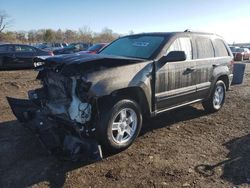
51 53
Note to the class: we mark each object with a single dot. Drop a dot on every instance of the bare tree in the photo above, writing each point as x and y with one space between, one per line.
85 34
5 20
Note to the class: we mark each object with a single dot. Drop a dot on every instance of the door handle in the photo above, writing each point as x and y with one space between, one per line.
190 69
216 65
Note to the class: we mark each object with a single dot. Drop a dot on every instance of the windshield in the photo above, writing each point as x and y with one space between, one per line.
134 46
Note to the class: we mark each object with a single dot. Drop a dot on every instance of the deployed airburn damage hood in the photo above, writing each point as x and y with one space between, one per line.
64 111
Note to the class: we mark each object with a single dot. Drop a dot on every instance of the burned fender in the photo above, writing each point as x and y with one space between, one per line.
107 81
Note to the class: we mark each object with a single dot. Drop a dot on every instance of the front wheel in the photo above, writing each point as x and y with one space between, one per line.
118 128
217 99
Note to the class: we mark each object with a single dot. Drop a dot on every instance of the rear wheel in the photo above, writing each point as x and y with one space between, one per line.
118 128
217 99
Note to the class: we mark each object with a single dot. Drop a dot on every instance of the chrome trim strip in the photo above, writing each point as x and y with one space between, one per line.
174 107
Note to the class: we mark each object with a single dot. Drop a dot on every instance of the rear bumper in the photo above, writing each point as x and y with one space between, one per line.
60 136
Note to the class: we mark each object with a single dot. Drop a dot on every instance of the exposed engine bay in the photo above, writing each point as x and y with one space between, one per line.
65 96
60 113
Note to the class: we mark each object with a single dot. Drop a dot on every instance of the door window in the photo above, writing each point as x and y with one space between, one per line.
182 44
20 48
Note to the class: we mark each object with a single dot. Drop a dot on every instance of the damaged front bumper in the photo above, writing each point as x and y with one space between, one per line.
62 137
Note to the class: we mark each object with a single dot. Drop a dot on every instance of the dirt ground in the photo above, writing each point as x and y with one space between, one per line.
181 148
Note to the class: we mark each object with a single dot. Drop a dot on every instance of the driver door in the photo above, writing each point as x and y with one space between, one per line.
176 81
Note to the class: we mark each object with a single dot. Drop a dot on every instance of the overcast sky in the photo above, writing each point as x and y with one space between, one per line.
231 19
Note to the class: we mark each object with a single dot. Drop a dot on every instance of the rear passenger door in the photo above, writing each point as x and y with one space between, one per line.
176 81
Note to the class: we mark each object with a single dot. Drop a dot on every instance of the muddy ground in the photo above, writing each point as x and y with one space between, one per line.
181 148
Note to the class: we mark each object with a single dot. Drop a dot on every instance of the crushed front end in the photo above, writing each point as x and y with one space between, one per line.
62 114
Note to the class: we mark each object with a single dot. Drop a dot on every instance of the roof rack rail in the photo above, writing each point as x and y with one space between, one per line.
187 30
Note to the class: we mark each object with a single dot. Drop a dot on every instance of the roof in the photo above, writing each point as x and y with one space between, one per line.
173 33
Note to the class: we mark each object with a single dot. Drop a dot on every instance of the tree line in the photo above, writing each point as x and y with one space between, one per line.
84 34
49 35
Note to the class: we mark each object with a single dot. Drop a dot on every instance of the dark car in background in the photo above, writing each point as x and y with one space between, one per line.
72 48
16 56
95 48
240 54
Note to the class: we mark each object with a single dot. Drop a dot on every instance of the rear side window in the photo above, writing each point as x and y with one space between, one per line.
204 48
220 48
182 44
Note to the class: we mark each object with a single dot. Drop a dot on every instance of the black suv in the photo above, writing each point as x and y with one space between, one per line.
105 96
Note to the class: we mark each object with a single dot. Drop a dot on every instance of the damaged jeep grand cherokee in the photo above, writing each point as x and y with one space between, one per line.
102 98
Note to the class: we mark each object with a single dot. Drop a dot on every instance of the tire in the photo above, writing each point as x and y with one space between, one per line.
217 98
114 125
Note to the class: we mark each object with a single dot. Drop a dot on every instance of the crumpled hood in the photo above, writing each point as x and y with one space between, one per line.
71 64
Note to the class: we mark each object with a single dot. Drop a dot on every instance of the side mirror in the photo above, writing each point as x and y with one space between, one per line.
173 56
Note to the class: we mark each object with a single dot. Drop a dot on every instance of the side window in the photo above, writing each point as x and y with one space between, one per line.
182 44
23 49
204 48
220 48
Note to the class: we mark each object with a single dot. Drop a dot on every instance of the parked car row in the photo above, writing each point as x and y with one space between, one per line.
51 46
72 48
16 56
240 53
